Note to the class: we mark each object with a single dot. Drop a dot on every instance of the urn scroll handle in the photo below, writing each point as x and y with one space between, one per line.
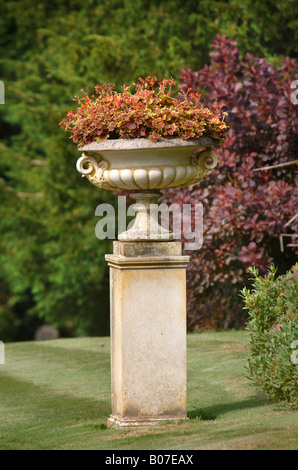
94 170
204 162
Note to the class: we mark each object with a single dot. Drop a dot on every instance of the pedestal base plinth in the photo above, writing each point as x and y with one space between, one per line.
148 333
138 422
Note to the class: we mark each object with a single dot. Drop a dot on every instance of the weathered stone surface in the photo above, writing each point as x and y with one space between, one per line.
132 250
146 226
148 333
128 144
142 165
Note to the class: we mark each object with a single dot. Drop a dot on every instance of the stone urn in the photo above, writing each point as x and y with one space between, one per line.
146 167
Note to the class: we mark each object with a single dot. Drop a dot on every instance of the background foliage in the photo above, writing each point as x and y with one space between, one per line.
52 267
245 210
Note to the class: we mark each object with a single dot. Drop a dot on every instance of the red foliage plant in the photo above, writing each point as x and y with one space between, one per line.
149 112
244 210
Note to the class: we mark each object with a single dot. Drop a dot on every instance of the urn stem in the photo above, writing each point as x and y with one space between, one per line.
146 225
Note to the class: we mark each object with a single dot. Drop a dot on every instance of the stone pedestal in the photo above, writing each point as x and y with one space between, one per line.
148 332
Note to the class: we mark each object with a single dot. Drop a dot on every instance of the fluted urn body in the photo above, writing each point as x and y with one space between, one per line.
146 167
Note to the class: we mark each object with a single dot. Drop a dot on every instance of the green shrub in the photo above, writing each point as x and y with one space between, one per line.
273 328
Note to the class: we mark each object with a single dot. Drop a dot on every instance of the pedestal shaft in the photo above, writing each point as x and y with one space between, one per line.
148 332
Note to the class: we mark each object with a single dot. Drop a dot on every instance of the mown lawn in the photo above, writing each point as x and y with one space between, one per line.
56 395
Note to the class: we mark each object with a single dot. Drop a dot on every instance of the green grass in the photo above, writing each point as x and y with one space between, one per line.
56 395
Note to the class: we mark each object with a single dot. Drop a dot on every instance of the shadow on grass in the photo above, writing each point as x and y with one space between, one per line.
210 413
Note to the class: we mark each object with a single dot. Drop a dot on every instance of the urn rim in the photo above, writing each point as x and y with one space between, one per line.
145 143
